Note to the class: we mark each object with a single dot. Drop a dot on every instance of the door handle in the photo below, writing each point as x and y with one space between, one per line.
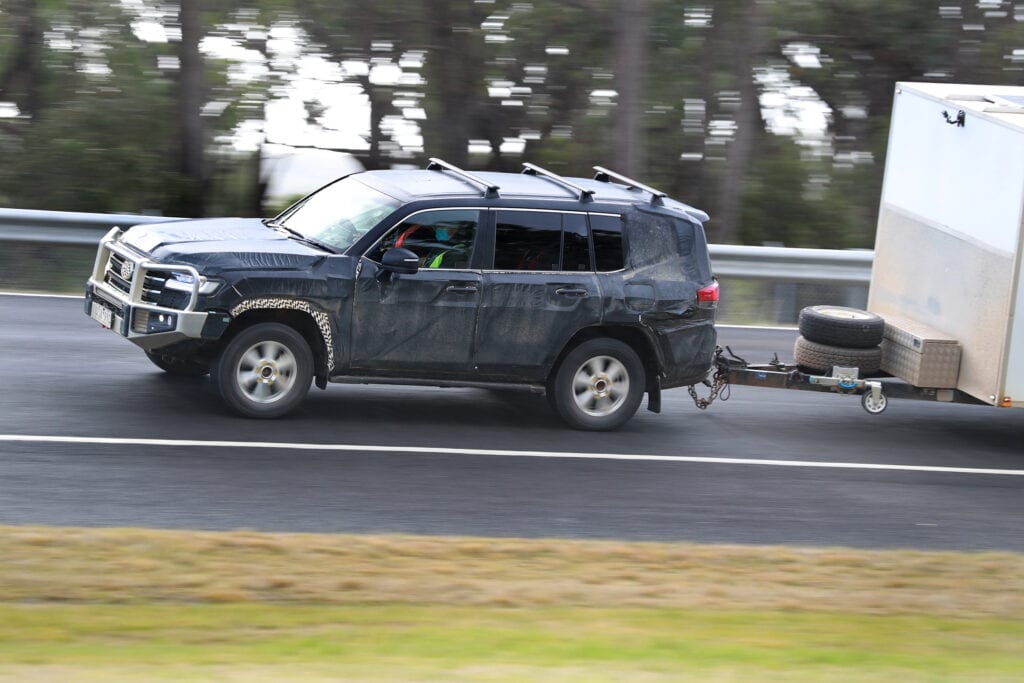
571 291
461 289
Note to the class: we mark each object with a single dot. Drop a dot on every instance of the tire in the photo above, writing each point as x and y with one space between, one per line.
179 366
599 385
821 357
264 371
849 328
872 405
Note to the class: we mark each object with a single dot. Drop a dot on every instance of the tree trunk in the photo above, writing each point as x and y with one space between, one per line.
748 126
630 68
21 81
380 104
258 188
452 77
190 102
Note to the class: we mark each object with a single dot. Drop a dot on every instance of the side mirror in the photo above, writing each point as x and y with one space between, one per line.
400 261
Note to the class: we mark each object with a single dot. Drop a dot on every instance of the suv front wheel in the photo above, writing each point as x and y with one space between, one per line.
599 385
265 371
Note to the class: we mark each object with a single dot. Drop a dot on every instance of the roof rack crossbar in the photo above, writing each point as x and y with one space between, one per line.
604 175
533 169
490 189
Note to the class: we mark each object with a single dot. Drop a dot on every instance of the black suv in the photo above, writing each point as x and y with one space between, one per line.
591 291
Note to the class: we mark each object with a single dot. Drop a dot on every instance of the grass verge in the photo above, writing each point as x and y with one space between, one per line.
130 605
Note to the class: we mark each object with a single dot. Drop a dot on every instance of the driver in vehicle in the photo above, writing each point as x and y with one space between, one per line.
452 245
445 245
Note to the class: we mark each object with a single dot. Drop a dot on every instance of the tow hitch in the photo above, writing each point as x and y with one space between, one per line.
719 382
731 369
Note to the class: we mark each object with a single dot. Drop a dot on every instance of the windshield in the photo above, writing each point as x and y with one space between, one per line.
339 214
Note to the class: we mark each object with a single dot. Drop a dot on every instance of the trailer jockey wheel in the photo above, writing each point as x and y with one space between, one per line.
874 405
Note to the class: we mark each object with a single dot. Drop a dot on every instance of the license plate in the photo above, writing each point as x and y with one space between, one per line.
103 315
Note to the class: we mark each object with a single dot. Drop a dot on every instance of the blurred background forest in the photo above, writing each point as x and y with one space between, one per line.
772 115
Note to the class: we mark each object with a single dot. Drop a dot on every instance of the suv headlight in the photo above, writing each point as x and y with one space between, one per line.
182 282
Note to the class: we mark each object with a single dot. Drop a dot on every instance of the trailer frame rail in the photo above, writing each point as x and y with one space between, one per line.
875 392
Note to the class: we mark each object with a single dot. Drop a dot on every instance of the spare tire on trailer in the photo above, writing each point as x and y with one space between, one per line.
841 326
820 358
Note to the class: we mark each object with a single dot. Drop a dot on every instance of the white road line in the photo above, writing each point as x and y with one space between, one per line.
189 443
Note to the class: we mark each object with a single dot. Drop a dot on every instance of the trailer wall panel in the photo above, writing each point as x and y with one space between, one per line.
967 179
953 285
1014 388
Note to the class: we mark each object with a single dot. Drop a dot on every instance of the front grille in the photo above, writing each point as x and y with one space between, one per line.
153 287
154 291
115 266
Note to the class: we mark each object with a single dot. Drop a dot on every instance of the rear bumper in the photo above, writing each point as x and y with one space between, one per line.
687 349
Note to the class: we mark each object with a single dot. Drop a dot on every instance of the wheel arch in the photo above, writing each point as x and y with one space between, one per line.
305 318
635 337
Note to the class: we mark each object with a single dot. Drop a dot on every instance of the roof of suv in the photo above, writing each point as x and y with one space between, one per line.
410 185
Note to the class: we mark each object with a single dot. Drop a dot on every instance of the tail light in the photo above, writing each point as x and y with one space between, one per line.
709 293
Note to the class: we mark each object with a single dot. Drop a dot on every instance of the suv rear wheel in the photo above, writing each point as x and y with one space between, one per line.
265 371
599 385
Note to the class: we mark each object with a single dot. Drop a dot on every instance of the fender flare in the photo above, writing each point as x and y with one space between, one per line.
323 322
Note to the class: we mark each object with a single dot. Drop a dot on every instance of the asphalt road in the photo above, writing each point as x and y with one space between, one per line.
760 468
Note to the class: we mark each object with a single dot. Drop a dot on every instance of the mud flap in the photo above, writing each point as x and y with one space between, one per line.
654 395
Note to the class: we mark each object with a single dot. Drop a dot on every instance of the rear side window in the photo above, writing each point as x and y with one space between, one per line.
659 237
550 241
607 232
575 243
528 240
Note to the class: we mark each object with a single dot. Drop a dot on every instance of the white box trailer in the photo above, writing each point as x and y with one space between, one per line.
947 269
951 228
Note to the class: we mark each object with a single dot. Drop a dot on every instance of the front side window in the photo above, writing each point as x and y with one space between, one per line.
339 214
441 239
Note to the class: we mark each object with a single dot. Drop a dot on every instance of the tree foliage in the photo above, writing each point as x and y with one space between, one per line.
770 114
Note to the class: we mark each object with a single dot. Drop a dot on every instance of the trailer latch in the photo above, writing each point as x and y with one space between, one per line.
960 120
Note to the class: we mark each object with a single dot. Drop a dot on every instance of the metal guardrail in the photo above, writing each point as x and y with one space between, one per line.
65 227
837 267
834 266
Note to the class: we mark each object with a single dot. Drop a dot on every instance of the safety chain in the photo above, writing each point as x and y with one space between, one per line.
719 389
